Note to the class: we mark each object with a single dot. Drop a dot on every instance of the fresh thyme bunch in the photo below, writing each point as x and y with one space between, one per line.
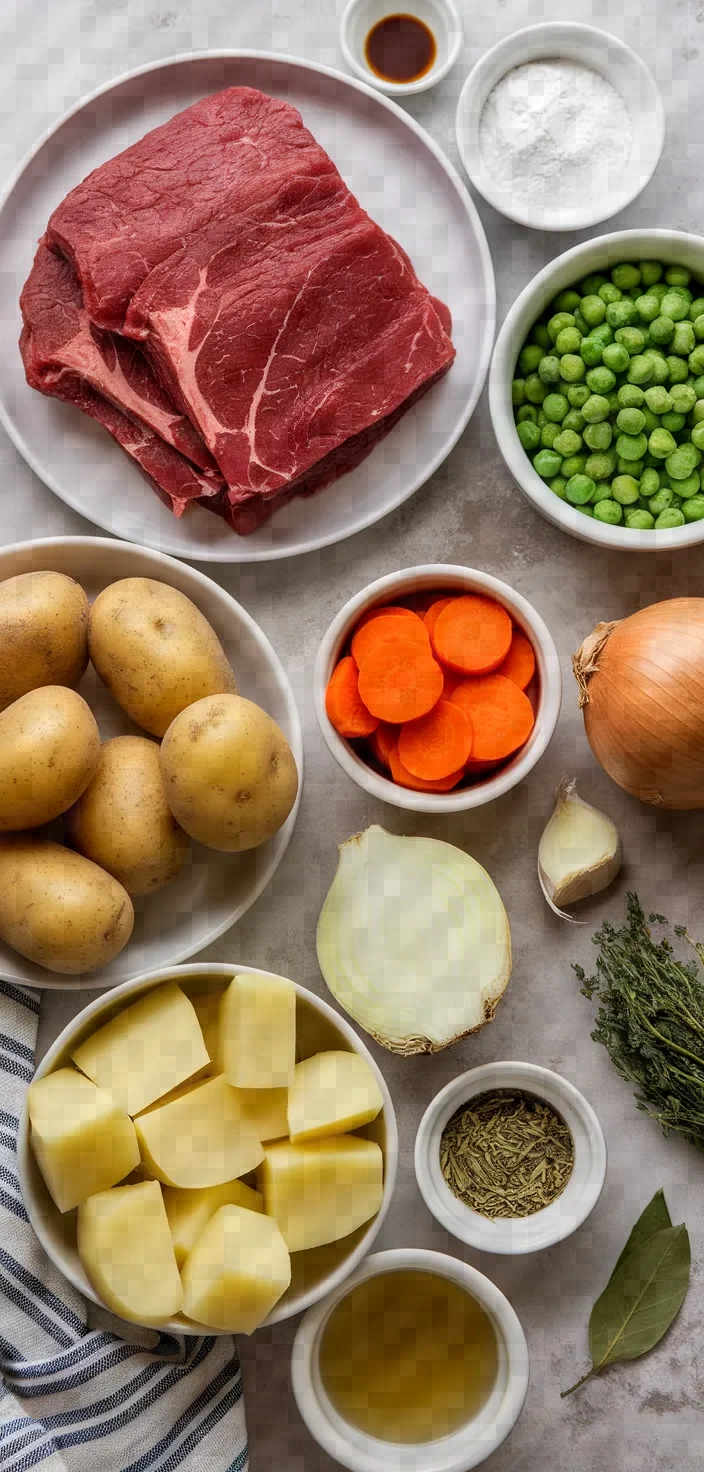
651 1019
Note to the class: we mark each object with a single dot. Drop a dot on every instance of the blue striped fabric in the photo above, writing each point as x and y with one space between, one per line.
81 1390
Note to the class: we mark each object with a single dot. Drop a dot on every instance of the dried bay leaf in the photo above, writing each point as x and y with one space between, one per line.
654 1219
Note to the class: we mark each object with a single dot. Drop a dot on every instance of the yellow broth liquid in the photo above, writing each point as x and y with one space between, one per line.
408 1356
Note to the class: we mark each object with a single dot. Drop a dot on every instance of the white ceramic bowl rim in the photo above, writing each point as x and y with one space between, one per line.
596 48
458 1452
443 12
441 575
669 245
515 1235
68 1262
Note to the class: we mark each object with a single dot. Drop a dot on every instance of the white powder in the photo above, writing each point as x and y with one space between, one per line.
555 134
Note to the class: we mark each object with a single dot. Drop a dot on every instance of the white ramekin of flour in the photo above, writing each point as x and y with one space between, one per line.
560 126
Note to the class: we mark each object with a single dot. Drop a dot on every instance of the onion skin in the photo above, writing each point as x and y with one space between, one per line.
642 691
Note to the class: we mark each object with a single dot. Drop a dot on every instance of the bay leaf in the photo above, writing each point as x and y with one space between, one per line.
653 1219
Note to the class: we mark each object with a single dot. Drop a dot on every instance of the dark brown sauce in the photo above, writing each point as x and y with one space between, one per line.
400 48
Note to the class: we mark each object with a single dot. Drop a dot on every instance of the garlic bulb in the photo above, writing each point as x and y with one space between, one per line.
579 852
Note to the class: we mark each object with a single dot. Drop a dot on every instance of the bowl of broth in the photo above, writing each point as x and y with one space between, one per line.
418 1360
401 49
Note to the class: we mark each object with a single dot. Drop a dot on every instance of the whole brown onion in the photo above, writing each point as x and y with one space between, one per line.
641 682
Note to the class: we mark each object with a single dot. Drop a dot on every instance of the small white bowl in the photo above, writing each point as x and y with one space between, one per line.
602 253
441 18
605 54
518 1234
465 1448
445 578
318 1028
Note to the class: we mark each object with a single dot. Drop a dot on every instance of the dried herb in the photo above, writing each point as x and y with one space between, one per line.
506 1153
651 1019
643 1294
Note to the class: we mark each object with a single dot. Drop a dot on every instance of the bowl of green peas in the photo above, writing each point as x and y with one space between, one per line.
596 390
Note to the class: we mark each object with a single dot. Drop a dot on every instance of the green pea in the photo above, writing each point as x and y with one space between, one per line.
580 324
661 372
631 422
669 519
573 465
698 325
555 406
620 314
518 392
698 411
529 358
603 332
651 420
580 489
609 293
549 369
577 393
650 272
696 361
677 370
616 357
678 276
600 465
609 512
591 351
542 336
547 463
674 306
662 330
661 500
529 435
548 435
598 436
602 492
572 368
566 301
568 341
568 442
625 276
590 285
556 324
674 422
693 509
639 521
536 390
647 307
630 396
595 409
631 338
593 310
684 342
682 461
574 420
689 487
698 386
585 510
649 483
612 397
557 484
527 411
630 467
625 489
601 380
658 399
696 308
660 289
640 369
661 443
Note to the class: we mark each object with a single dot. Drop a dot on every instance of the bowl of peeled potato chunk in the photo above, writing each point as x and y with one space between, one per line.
207 1148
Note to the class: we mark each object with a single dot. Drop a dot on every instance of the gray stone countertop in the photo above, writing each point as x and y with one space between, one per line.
645 1417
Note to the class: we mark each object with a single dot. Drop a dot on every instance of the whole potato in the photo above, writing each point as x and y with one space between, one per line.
58 909
49 749
155 651
230 776
43 633
123 821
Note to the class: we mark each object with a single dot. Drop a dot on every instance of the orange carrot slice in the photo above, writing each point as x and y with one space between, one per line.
399 680
344 707
433 614
473 634
388 626
438 744
501 716
450 682
382 610
382 740
403 778
519 664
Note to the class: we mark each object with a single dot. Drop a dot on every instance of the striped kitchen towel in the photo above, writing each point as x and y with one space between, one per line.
75 1398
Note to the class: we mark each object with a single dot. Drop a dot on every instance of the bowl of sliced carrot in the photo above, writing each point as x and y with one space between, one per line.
437 688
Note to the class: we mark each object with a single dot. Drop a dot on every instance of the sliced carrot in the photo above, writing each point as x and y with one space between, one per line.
403 778
450 682
434 612
438 744
519 664
473 634
399 680
386 737
344 707
383 609
501 716
388 626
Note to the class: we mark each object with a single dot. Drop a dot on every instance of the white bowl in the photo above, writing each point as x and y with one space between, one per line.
213 889
445 578
602 253
605 54
519 1234
441 18
458 1452
318 1027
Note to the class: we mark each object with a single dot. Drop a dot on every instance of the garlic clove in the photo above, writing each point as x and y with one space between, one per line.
579 853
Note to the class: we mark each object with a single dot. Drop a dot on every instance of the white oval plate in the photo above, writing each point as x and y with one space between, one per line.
213 889
399 175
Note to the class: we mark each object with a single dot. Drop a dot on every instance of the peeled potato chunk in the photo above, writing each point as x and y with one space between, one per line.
82 1140
207 1010
190 1211
330 1094
258 1032
200 1138
146 1050
125 1246
266 1110
322 1190
236 1272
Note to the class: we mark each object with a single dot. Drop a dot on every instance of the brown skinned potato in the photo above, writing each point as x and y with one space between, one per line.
43 633
49 749
59 909
123 821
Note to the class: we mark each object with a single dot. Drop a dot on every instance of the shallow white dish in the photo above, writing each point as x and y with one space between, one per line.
465 580
465 1448
398 173
441 18
318 1028
514 1235
605 54
592 255
213 889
